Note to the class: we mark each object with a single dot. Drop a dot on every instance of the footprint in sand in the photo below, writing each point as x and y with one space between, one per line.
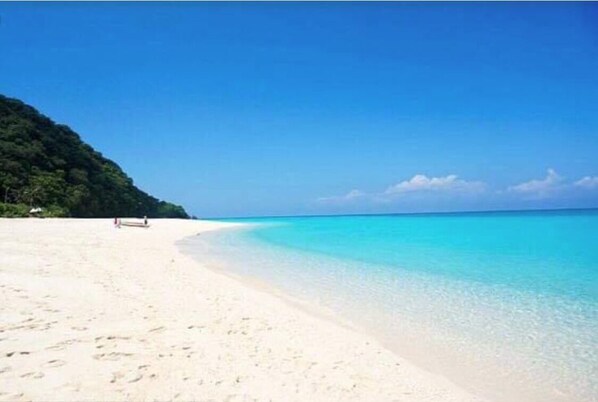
136 378
33 374
116 376
13 397
62 345
10 354
54 363
158 329
114 337
111 356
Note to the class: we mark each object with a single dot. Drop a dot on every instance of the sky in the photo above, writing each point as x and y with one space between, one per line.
248 109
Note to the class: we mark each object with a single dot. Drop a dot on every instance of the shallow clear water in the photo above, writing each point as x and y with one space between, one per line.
504 304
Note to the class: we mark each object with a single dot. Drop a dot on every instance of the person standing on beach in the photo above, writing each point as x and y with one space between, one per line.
145 220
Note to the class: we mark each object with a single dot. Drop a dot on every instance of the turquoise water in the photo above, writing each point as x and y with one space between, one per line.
504 303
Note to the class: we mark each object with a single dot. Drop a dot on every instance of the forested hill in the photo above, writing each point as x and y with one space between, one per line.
44 164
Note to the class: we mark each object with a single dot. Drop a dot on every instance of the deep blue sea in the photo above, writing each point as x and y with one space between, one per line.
503 303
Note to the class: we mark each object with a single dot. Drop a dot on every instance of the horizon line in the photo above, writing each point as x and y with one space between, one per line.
407 213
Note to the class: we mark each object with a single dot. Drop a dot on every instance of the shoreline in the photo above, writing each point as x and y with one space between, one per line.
262 286
471 365
92 312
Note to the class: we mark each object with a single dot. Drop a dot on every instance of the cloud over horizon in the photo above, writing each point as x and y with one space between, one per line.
539 188
422 188
421 182
588 182
351 195
418 184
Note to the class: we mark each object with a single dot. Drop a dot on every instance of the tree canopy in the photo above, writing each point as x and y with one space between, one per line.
44 164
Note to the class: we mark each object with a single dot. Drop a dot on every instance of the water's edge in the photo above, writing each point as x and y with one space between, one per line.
414 342
311 308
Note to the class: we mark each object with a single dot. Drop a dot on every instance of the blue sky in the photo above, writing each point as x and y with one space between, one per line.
236 109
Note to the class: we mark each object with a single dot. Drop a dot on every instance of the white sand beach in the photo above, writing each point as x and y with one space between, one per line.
90 312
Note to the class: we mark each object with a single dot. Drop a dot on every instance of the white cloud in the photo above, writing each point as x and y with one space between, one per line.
350 196
354 194
588 182
422 189
539 187
417 184
420 182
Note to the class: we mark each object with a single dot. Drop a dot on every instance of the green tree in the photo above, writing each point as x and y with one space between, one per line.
46 164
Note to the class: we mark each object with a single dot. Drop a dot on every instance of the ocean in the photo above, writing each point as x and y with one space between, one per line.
504 304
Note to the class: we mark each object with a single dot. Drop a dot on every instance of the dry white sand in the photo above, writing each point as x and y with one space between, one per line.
90 312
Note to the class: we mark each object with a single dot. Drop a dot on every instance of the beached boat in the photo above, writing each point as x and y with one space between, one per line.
135 224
